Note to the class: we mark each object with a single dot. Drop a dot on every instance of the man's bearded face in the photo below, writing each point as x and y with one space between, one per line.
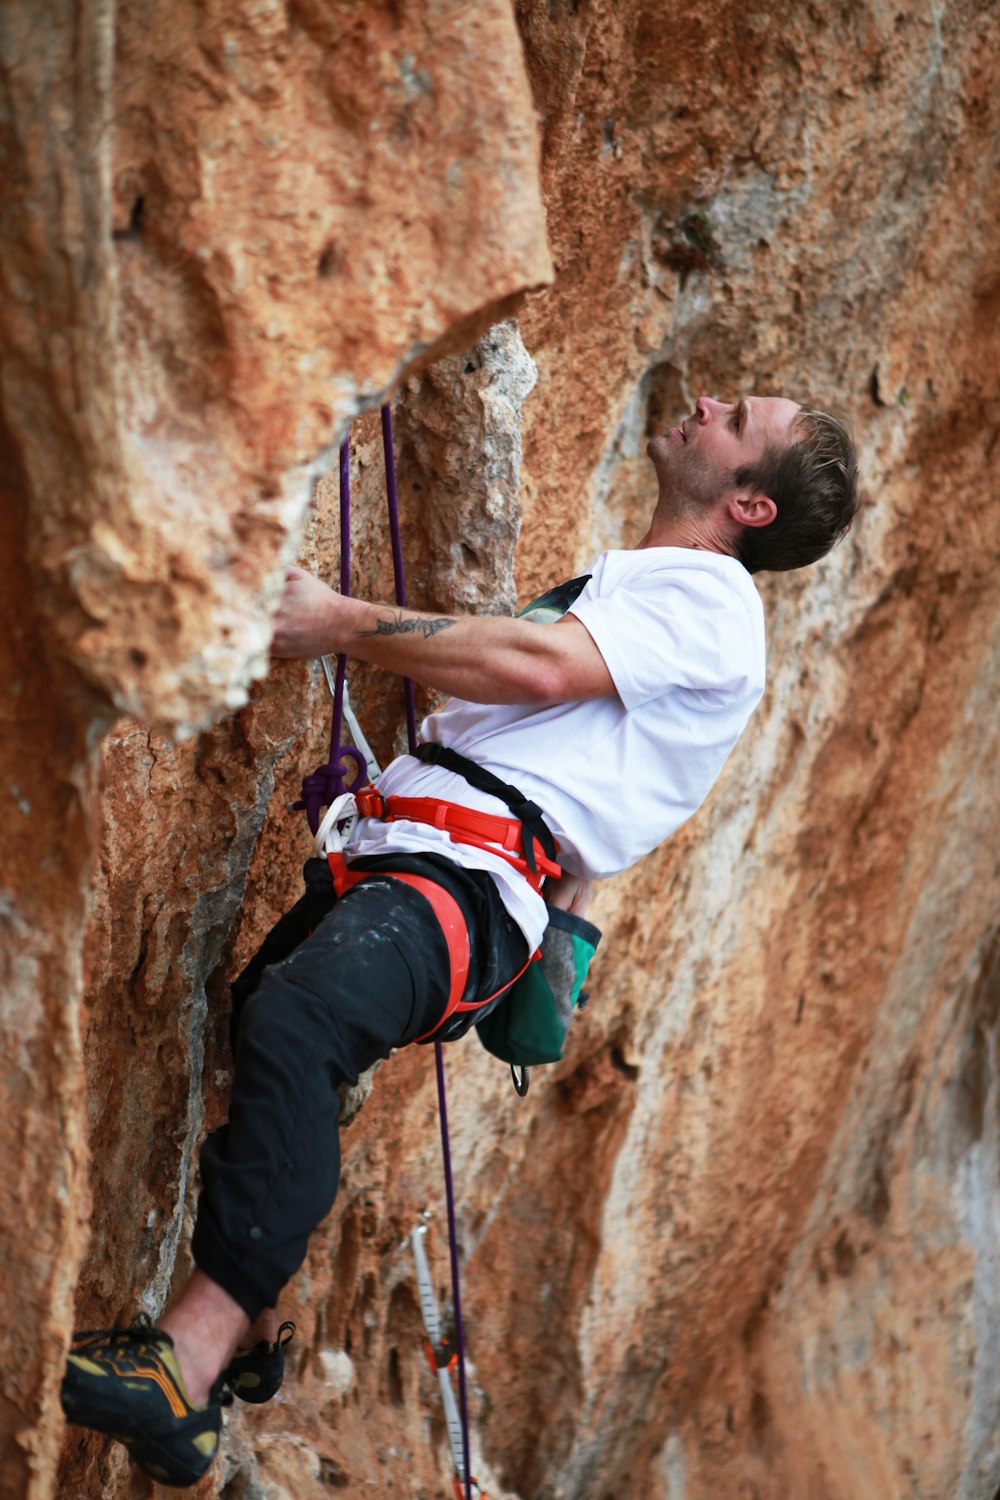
697 461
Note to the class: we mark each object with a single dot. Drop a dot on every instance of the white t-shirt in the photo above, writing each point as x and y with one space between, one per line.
682 634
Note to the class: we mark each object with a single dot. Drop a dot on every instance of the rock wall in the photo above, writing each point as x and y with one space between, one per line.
742 1242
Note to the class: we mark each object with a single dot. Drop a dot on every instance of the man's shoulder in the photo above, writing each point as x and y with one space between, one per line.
698 571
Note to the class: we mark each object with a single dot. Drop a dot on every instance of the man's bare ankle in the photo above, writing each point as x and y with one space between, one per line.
198 1371
205 1324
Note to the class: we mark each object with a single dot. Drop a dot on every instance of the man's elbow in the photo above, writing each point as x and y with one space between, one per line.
548 682
539 684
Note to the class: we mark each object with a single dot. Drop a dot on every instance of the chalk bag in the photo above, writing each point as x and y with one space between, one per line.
529 1025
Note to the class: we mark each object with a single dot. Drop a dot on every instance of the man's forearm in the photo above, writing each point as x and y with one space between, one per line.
409 622
484 658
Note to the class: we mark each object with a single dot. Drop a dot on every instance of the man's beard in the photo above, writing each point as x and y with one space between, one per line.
693 484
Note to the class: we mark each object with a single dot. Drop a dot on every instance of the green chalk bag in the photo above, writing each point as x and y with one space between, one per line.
530 1023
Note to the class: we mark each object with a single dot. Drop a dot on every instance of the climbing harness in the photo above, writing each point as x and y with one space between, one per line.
527 814
442 1359
452 924
465 825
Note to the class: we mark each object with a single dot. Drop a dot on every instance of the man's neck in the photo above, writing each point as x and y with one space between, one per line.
703 533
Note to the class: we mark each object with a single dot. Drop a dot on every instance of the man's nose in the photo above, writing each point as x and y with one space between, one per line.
707 407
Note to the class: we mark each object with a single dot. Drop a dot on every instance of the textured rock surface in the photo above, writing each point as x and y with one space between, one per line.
194 250
742 1242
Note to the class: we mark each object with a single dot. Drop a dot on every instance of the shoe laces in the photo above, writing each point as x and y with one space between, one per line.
143 1331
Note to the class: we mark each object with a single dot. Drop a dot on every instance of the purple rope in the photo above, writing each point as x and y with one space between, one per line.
322 786
397 562
449 1187
449 1192
337 723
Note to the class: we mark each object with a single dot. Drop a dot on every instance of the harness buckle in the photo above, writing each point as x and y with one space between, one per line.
371 803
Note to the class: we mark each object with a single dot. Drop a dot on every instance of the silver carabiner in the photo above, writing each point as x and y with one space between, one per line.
521 1078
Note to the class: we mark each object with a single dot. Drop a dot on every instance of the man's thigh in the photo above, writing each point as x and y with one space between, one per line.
372 975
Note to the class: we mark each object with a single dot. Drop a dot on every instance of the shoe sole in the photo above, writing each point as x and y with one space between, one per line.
254 1395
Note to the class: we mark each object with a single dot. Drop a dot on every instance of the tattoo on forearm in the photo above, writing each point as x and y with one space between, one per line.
398 626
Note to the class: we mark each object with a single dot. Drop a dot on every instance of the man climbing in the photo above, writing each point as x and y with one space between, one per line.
611 723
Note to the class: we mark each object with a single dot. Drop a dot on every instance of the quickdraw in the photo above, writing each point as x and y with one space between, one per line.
442 1360
330 780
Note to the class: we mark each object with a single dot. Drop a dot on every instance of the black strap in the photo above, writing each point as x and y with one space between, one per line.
528 813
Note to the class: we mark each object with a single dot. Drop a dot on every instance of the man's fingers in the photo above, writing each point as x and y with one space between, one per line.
305 621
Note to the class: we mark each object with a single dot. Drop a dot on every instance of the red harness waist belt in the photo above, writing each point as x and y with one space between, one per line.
501 836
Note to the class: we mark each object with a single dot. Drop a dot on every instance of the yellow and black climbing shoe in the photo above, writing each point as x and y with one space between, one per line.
125 1382
256 1374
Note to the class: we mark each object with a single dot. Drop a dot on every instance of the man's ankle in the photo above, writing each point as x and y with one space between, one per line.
205 1324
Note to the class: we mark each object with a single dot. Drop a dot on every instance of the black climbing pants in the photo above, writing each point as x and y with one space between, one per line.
335 986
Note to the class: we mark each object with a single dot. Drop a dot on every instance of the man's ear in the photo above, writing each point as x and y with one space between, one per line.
752 510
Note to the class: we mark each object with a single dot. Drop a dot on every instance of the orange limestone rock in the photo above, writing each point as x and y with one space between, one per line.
741 1243
246 221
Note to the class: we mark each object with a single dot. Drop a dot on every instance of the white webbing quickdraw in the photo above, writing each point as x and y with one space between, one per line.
441 1357
338 823
339 820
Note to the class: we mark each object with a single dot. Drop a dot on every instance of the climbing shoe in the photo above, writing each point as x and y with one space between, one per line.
126 1382
256 1374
